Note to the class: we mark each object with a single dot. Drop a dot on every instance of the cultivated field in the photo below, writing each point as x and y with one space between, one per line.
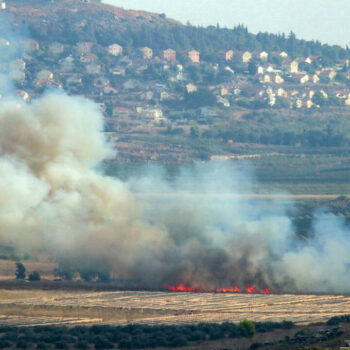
32 307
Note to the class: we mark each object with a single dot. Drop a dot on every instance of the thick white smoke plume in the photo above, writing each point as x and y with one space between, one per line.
53 199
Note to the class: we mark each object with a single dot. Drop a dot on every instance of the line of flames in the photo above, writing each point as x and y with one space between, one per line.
183 288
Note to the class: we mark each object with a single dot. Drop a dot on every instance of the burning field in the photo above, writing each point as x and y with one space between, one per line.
56 200
64 307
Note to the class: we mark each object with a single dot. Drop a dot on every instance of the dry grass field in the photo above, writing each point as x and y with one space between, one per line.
32 307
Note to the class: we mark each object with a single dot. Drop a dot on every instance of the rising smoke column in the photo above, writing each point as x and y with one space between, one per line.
51 196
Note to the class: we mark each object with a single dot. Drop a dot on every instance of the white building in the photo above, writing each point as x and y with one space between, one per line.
115 49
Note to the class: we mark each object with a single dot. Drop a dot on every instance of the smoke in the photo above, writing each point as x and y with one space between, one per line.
55 200
11 49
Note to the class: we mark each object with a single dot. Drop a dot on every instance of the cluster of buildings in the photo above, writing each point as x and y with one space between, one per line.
124 86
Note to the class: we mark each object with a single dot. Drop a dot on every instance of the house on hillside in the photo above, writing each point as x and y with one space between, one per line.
313 58
85 47
56 48
264 78
244 56
191 88
22 94
30 45
44 75
301 60
223 101
152 113
93 68
169 55
67 64
261 55
88 59
283 54
74 79
281 92
327 75
130 84
314 78
208 112
260 70
115 49
276 78
147 53
121 112
300 78
226 55
117 71
194 56
290 66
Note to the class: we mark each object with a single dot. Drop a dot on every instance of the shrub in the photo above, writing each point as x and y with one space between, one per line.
102 343
4 344
61 345
34 276
41 346
247 328
12 336
22 344
197 336
81 345
178 340
20 271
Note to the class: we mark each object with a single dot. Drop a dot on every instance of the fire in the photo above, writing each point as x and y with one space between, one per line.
250 289
183 288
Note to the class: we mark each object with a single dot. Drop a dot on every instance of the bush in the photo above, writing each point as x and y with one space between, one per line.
34 276
20 271
338 319
81 345
4 344
247 328
41 346
61 345
21 344
197 336
178 340
102 343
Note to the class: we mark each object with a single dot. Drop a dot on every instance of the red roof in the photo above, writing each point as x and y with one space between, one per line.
121 109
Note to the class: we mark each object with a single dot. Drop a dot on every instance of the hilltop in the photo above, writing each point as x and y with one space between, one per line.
54 9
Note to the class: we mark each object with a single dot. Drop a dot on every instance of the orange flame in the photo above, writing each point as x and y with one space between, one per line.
183 288
250 289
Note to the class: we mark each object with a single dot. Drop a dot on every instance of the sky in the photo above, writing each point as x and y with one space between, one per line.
324 20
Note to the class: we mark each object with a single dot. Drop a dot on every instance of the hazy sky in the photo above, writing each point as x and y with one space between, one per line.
325 20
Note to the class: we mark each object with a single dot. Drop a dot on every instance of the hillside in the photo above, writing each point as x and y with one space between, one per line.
175 93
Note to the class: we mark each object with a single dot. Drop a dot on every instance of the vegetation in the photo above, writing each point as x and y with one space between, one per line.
131 336
20 271
34 276
247 328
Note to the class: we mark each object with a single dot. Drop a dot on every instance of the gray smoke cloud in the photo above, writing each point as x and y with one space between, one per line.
54 199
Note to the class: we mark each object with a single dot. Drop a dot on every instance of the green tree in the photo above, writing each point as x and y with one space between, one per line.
34 276
319 99
247 328
194 132
20 271
252 68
